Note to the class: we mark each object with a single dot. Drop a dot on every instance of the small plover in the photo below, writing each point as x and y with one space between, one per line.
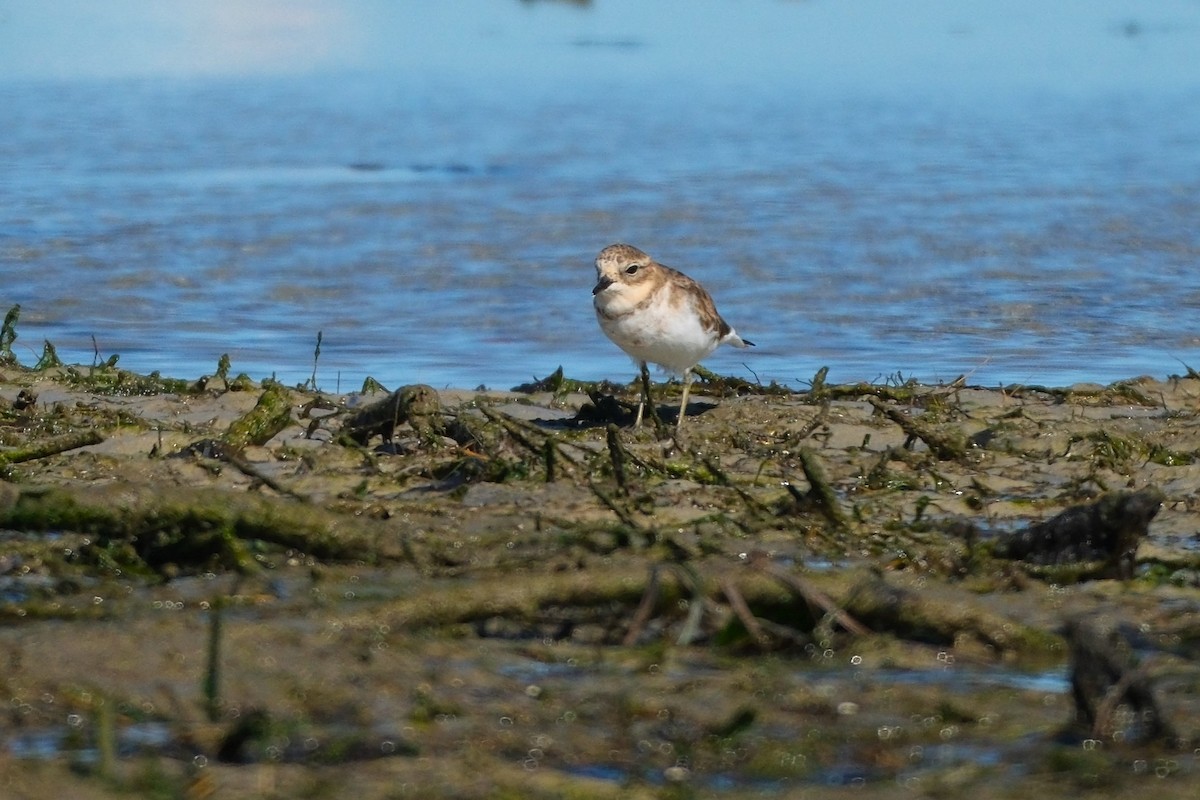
657 314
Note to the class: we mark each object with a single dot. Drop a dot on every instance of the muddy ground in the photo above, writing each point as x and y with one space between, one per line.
217 588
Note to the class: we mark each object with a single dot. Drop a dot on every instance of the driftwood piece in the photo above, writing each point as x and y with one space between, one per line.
270 415
926 617
813 596
50 447
821 494
418 405
1105 676
1108 530
947 446
191 528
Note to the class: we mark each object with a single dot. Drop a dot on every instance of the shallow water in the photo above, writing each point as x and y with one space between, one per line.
928 202
53 743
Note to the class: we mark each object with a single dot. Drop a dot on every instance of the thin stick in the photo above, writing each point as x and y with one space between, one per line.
316 355
821 492
811 595
617 454
742 609
642 616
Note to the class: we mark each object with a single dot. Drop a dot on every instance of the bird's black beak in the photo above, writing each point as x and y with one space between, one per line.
601 285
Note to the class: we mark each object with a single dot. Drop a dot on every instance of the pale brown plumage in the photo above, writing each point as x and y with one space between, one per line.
657 314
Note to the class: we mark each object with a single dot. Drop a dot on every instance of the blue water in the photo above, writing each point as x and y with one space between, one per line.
927 189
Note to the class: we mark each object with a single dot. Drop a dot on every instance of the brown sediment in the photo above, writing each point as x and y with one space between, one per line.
490 593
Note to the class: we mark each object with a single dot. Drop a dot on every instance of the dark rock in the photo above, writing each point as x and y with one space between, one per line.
1108 530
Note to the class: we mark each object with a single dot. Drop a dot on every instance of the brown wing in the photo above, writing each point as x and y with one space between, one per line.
706 309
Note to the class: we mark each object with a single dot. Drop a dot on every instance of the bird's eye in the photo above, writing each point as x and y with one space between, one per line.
632 269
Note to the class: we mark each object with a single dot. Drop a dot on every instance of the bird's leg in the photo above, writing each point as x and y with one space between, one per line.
687 384
645 396
647 401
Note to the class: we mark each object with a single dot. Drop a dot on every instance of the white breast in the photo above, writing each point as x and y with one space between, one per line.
660 332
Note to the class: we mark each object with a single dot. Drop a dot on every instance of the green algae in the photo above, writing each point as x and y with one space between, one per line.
270 415
52 446
8 335
193 529
107 379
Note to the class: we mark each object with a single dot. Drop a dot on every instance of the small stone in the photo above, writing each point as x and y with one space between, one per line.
677 774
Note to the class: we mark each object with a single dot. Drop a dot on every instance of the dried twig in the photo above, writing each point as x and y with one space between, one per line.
691 626
947 447
645 608
617 454
743 612
810 594
821 492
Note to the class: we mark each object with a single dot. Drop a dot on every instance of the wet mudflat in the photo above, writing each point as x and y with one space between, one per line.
220 587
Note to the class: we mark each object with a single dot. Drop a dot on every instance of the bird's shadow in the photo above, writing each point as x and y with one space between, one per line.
603 410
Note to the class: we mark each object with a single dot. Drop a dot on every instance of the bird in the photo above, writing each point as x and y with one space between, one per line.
657 315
